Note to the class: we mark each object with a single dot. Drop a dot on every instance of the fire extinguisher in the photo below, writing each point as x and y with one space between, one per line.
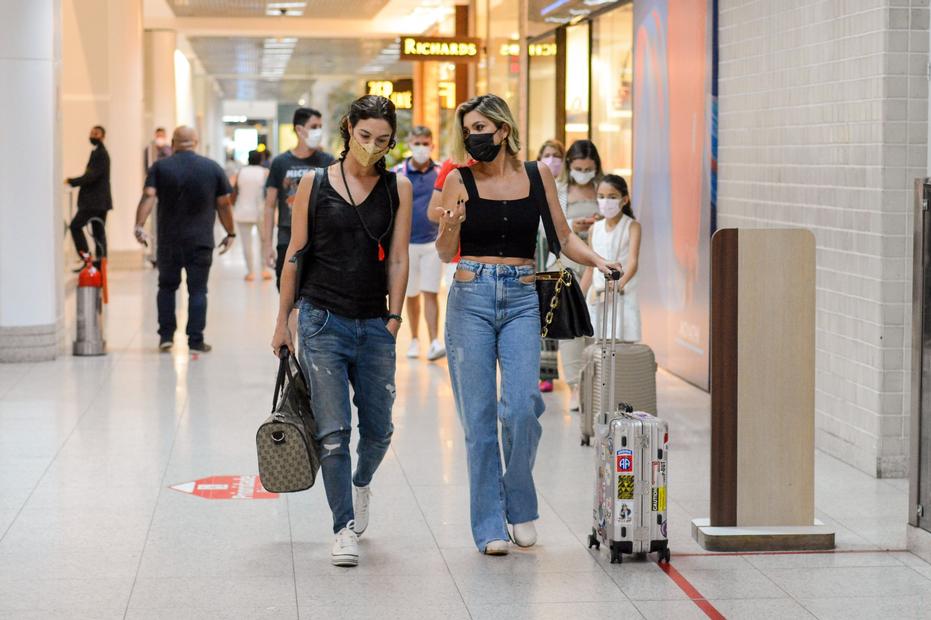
91 295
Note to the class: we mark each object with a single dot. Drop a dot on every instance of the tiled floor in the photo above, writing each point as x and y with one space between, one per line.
89 527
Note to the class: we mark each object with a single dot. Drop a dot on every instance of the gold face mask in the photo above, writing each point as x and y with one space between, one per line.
366 154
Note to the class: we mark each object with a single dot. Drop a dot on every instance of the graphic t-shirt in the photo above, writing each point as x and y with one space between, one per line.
285 175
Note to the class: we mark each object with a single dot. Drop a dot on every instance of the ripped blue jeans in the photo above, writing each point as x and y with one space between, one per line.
336 353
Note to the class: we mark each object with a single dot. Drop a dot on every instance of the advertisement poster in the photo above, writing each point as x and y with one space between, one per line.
673 179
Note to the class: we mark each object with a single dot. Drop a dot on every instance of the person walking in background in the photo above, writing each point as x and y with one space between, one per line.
94 199
191 190
617 235
551 154
493 315
577 195
426 270
159 148
248 198
284 176
348 333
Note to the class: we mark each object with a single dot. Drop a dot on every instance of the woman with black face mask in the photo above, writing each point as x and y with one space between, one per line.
357 260
491 210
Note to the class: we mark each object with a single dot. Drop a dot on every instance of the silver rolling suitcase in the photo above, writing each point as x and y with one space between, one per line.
631 455
634 379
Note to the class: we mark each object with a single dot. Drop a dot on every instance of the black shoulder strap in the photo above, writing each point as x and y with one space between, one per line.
538 195
312 205
469 180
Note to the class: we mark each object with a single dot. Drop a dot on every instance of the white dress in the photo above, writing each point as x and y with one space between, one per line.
614 246
250 199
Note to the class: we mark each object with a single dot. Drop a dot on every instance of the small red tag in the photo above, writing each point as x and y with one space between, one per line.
381 252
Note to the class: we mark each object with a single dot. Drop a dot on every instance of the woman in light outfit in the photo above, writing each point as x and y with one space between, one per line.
493 316
617 235
577 197
249 198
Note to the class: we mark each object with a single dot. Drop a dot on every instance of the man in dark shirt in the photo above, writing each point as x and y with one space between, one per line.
283 178
94 198
191 190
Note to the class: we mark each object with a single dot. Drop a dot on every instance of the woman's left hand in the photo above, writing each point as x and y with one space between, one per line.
606 268
393 326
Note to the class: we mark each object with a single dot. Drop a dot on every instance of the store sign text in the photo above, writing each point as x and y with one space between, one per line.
454 49
401 92
534 49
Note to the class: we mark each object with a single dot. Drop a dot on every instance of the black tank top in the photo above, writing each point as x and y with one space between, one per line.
504 228
343 273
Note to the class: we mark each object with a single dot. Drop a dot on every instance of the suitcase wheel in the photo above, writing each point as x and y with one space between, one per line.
665 555
586 441
593 541
616 556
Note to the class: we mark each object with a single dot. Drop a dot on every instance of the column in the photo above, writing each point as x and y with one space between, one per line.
160 48
102 83
30 211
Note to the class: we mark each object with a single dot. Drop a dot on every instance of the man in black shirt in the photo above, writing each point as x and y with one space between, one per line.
94 198
283 178
191 190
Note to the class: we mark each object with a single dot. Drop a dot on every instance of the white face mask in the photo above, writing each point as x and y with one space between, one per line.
609 207
314 138
160 142
420 153
582 178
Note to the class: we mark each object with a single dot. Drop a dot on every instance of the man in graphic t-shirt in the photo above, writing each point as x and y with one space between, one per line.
283 178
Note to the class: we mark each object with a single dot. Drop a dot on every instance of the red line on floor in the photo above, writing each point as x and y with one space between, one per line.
691 591
822 552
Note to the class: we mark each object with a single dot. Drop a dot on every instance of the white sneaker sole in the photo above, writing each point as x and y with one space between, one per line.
436 356
344 560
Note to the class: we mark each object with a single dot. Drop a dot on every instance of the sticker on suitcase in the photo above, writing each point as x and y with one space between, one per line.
625 461
625 487
659 499
624 512
659 474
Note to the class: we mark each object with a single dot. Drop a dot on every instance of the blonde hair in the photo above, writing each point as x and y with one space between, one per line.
496 110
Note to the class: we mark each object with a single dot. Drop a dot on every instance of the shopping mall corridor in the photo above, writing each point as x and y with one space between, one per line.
90 526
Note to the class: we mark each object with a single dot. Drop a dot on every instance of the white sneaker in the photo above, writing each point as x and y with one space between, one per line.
496 547
524 534
436 351
414 350
345 547
360 506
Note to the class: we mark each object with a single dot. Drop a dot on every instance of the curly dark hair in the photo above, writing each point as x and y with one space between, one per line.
365 107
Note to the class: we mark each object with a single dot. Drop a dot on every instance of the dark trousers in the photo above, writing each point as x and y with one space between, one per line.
97 220
195 261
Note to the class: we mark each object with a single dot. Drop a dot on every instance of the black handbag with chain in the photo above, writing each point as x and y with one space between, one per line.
563 311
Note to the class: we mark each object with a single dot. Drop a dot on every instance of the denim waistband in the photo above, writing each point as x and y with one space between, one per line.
494 270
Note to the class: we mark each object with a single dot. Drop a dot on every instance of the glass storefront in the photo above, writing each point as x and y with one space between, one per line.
595 68
612 96
541 90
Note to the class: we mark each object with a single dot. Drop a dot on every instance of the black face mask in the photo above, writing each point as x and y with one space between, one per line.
482 147
95 141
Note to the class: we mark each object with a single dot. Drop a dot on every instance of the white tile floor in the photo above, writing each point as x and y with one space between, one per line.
90 529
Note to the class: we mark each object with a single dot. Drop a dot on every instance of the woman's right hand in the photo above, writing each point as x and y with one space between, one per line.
282 338
452 217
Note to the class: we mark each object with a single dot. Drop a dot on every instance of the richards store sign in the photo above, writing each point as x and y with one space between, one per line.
448 49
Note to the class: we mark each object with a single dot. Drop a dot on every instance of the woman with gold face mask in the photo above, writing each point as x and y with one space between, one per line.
350 298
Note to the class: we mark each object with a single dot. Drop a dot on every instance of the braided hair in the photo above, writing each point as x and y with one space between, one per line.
365 107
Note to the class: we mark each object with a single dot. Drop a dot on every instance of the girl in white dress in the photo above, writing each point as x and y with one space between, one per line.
616 237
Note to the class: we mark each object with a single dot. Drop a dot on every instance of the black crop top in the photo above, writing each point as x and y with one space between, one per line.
504 228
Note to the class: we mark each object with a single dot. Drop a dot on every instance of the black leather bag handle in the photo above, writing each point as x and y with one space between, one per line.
285 372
